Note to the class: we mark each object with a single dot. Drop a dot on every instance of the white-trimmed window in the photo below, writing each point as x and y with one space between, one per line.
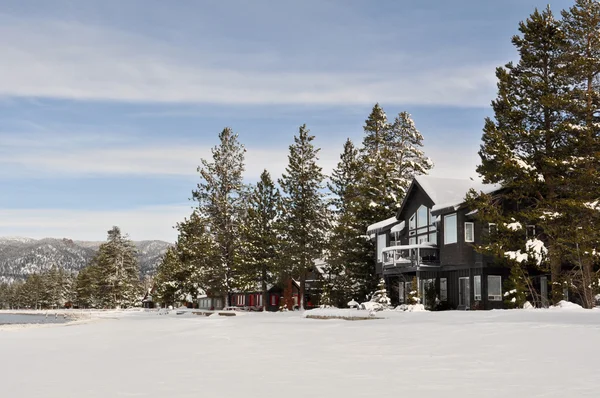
274 300
477 283
422 213
443 289
450 229
412 222
494 287
492 228
381 243
469 232
401 292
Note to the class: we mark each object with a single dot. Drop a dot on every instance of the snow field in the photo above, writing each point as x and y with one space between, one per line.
536 353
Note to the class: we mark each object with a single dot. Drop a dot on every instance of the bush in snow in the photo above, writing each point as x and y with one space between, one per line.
412 296
380 296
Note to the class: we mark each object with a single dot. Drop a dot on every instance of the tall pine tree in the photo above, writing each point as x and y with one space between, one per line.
528 148
261 241
349 273
305 213
220 196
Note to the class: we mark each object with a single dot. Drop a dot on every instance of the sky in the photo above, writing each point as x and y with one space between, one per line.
108 107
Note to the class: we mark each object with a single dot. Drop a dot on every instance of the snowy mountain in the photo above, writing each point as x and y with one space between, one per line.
20 257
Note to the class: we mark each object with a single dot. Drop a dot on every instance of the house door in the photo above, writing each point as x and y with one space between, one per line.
464 292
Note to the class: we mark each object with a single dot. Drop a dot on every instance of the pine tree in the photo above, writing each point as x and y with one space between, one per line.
581 24
526 148
117 272
349 260
220 196
187 269
380 296
261 241
305 212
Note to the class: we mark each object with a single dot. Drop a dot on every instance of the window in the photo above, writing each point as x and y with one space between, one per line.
477 283
422 217
433 238
381 242
240 299
412 241
274 300
469 232
530 231
443 289
412 224
401 292
450 229
494 287
492 228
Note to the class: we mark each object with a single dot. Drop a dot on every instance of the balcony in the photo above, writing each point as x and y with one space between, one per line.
397 259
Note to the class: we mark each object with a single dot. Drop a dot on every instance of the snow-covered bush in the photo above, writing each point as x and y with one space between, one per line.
380 297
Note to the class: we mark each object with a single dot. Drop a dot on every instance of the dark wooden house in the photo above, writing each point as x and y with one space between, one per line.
429 243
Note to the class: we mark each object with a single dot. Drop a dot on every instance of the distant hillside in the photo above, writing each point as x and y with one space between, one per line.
20 257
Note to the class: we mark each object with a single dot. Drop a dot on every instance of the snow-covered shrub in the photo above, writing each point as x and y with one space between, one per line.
412 297
380 297
411 308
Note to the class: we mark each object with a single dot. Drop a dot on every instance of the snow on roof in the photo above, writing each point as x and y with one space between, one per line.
448 192
374 228
399 227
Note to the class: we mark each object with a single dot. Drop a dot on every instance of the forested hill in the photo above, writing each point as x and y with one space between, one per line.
20 257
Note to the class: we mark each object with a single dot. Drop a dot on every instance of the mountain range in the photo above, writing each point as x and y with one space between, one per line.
20 257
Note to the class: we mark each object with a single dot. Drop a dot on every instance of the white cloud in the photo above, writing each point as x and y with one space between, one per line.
145 223
39 156
73 61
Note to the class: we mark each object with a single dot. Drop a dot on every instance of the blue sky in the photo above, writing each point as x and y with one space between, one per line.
107 107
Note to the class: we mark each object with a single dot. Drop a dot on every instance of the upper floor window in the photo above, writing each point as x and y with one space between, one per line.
450 229
469 232
412 222
422 217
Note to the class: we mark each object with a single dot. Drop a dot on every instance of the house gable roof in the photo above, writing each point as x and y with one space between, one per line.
445 192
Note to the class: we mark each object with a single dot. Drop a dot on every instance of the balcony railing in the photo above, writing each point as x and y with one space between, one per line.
404 256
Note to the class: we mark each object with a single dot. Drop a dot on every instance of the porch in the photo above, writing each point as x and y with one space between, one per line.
410 258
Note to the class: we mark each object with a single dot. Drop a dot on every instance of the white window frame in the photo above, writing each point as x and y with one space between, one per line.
477 287
470 225
412 222
446 229
492 228
443 289
381 244
421 223
498 280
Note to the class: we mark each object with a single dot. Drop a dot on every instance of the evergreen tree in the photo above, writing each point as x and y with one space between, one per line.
380 296
305 213
261 241
186 269
220 196
581 24
116 271
87 291
349 264
528 148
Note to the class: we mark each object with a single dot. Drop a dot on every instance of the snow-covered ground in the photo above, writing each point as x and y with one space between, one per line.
537 353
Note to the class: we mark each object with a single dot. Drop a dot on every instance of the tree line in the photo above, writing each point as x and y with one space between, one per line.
111 280
543 147
245 237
